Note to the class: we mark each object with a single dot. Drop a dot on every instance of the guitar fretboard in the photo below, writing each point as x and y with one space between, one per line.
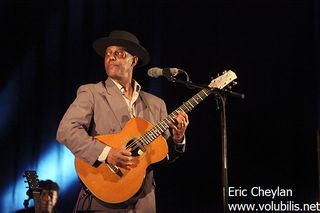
163 125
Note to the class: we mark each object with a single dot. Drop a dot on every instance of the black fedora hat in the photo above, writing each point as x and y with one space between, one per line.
125 39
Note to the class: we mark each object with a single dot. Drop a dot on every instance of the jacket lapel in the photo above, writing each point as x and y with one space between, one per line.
141 108
116 103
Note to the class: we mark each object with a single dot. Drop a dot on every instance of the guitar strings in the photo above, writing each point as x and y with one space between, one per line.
154 132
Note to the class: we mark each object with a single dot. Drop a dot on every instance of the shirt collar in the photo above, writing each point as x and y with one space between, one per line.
136 86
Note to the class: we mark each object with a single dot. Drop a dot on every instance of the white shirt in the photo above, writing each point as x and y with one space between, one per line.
131 107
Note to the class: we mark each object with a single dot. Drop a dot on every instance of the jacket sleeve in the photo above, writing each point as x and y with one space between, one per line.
74 126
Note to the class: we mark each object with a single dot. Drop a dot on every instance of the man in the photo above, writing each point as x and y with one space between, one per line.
48 198
105 108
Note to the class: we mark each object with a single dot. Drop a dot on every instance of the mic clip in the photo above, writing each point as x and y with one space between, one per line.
171 75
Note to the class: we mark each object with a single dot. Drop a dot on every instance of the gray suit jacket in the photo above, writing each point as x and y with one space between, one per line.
100 109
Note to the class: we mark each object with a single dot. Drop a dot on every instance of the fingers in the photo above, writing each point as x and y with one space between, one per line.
181 121
180 126
120 157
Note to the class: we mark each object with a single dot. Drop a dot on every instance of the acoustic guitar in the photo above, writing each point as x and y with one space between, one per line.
115 185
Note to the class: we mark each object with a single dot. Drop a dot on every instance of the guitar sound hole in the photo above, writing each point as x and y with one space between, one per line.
137 148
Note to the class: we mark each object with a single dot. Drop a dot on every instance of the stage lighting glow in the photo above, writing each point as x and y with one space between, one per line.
56 164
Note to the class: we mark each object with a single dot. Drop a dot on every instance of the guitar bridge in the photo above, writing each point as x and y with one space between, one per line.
115 170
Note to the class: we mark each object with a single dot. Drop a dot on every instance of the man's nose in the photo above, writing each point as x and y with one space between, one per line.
47 197
112 56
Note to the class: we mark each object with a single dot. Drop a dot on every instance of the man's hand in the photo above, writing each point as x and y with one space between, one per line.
179 127
120 157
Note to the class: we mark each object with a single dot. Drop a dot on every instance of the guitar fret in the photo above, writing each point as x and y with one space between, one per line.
189 106
185 108
143 140
157 133
166 126
161 126
152 135
146 142
171 119
181 109
148 137
193 103
157 130
205 92
195 100
166 120
198 95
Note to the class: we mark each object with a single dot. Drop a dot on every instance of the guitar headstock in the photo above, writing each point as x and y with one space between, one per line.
223 80
32 180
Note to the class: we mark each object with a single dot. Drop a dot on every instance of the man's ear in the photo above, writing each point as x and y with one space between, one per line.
135 60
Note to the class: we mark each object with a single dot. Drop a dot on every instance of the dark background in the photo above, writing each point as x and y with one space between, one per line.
272 46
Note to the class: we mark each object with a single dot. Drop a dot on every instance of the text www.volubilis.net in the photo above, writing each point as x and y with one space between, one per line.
274 207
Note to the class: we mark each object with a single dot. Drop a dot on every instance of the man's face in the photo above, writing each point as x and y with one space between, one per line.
48 199
118 62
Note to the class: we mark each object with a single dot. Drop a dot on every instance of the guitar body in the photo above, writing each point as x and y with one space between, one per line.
111 187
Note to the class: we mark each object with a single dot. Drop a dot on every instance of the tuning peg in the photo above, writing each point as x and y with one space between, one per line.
234 83
213 78
229 87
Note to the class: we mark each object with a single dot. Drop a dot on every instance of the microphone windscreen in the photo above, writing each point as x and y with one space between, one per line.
155 72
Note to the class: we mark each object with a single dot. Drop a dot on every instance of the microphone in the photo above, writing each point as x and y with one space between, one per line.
155 72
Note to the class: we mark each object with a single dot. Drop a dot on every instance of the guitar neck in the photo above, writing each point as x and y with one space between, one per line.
163 125
217 83
32 179
36 200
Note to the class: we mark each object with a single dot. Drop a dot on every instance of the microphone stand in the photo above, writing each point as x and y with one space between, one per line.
221 96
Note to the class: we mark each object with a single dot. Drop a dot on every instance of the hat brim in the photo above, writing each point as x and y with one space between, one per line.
101 44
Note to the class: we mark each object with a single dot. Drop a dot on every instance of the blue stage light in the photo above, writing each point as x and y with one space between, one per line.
57 164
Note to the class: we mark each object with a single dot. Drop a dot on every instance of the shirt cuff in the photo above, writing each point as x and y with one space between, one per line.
181 143
180 147
103 156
